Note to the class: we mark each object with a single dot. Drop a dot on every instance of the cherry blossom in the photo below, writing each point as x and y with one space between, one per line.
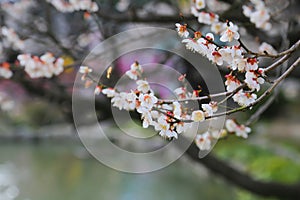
45 66
199 4
181 92
97 90
215 57
218 27
164 128
5 71
109 92
253 80
244 98
182 30
239 130
135 71
177 109
230 33
258 14
232 83
198 116
143 86
12 39
252 64
265 47
210 108
203 141
147 100
208 18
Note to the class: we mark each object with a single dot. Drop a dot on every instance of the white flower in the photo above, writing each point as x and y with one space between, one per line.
203 141
119 100
244 98
260 18
215 57
218 27
239 130
247 11
45 66
240 64
182 127
171 134
58 66
208 110
208 18
182 30
232 83
97 90
136 66
24 59
164 128
143 86
12 38
198 116
130 101
259 15
109 92
266 47
192 44
180 92
230 33
251 64
253 81
242 131
147 100
200 4
5 71
162 125
147 119
194 11
132 74
230 125
177 109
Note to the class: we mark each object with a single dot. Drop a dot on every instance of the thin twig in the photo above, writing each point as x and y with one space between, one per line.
288 51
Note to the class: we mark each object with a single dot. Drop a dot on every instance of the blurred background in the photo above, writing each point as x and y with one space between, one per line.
41 156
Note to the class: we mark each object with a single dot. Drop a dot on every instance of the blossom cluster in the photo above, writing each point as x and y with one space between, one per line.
239 130
245 77
74 5
45 66
11 39
231 56
168 118
258 14
228 30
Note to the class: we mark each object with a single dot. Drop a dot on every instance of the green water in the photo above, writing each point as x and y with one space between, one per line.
60 171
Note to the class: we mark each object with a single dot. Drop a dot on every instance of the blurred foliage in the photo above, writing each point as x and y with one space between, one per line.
260 162
38 113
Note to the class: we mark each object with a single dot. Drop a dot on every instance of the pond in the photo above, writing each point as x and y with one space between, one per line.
64 171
